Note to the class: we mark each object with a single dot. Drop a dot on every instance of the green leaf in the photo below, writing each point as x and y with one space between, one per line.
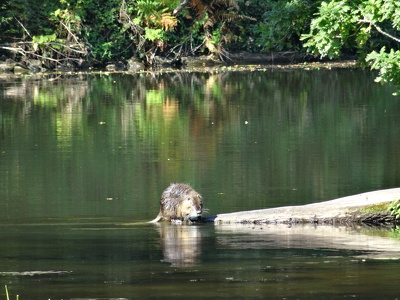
153 34
44 38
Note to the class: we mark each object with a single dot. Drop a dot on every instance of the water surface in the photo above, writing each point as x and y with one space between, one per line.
84 159
105 259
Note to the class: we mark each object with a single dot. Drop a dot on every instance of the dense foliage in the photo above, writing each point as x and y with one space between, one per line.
368 27
72 31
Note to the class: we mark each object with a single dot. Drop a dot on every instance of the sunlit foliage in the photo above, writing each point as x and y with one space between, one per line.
367 27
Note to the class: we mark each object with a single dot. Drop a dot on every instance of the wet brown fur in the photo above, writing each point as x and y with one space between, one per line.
179 202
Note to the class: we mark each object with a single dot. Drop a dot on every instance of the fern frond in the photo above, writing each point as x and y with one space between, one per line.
227 4
199 5
233 17
209 22
168 21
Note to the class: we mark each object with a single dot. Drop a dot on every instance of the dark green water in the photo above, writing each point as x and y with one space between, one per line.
84 159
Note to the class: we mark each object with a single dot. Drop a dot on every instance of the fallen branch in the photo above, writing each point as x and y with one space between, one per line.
25 53
81 46
9 46
17 50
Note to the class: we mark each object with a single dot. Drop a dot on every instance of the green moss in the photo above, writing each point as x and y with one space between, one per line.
381 208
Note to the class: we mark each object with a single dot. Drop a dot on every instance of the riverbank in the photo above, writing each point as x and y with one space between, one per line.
240 61
370 207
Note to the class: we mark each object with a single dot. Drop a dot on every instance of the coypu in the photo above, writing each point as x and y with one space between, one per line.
179 202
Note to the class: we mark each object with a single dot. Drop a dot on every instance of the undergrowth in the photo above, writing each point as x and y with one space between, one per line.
394 209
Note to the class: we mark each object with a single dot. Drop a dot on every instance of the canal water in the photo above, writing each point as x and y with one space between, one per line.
85 157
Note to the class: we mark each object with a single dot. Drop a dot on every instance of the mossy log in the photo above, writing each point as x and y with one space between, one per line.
370 208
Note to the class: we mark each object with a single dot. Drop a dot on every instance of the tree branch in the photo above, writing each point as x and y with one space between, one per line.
80 45
380 30
23 27
385 33
180 7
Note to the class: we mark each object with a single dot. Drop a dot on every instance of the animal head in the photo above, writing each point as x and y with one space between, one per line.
191 206
180 201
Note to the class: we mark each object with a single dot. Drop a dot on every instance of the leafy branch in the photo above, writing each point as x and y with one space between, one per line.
380 30
348 24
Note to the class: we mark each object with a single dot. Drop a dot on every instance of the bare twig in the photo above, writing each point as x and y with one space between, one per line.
71 50
380 30
84 50
180 7
23 27
13 49
194 50
43 57
385 33
25 53
126 20
8 46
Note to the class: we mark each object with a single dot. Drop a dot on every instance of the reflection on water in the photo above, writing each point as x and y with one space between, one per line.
108 145
181 245
91 259
356 238
84 159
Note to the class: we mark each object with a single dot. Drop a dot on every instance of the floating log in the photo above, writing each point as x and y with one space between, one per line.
369 208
